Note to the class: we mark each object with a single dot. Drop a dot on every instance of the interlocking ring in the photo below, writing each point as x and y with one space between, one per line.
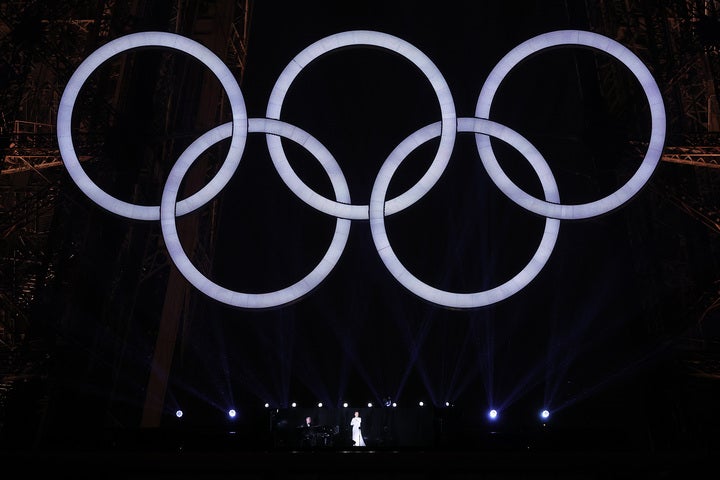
441 297
366 38
341 208
657 115
151 39
200 281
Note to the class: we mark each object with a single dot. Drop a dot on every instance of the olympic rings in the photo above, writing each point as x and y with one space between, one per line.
341 208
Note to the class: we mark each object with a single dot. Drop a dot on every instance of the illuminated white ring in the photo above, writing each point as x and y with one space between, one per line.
442 297
394 44
657 114
200 281
151 39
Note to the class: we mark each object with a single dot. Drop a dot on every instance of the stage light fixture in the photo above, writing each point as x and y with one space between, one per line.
369 404
545 414
294 404
345 405
421 403
394 404
179 413
232 413
267 405
319 404
493 414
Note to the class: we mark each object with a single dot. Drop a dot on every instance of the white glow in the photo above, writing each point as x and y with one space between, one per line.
657 114
200 281
232 413
493 414
150 39
544 414
179 413
398 46
341 207
452 299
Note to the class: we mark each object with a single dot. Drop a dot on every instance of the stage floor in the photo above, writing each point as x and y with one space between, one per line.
219 455
359 464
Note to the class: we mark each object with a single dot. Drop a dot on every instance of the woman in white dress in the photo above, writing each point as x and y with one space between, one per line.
357 437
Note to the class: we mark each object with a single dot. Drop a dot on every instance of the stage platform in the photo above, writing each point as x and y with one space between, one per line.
217 455
359 465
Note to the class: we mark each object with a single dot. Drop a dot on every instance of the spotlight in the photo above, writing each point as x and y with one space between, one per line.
394 404
294 404
345 405
232 413
492 414
179 413
544 414
319 404
388 401
267 405
369 404
420 403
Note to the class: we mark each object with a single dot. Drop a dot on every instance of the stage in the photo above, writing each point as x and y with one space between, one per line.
514 463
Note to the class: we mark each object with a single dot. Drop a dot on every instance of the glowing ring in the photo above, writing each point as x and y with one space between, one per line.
200 281
389 42
151 39
657 114
442 297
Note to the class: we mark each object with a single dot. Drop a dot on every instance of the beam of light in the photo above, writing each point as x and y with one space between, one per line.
194 391
358 313
307 371
414 342
275 387
565 347
531 379
351 358
629 368
459 371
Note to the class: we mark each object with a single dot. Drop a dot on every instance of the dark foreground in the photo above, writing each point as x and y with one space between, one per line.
219 456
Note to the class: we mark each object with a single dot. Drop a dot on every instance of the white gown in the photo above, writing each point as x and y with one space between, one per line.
357 437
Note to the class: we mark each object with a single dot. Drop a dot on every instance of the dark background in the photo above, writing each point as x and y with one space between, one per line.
599 337
581 339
